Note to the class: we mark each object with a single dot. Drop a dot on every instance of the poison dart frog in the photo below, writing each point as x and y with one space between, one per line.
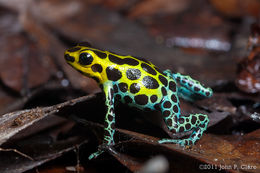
139 83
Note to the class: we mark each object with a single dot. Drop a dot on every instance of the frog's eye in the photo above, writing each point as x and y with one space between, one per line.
85 59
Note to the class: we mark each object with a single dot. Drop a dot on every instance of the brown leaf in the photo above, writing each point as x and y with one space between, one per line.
21 64
40 152
237 8
153 7
210 149
184 30
14 122
248 78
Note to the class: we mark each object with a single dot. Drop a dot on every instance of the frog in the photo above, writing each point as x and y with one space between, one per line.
138 83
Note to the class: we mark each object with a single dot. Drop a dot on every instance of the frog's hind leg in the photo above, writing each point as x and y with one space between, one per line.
197 123
188 88
176 123
109 125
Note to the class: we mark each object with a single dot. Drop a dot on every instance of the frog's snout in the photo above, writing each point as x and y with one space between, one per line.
69 58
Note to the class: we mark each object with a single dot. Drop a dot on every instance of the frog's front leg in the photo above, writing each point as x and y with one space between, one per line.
189 89
109 125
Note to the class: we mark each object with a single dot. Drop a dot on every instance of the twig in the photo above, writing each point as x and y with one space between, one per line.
18 152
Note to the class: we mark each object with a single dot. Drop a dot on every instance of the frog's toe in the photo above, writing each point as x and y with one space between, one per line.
181 142
163 141
95 155
101 149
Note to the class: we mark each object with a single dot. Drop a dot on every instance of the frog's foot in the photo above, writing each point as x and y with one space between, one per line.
198 124
181 142
191 140
95 155
101 149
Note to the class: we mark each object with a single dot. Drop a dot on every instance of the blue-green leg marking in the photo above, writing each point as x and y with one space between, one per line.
177 123
109 125
189 88
197 123
186 94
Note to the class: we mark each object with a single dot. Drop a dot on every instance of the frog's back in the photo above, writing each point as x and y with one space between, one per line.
141 84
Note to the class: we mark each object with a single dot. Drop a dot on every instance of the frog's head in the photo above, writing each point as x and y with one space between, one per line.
85 60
